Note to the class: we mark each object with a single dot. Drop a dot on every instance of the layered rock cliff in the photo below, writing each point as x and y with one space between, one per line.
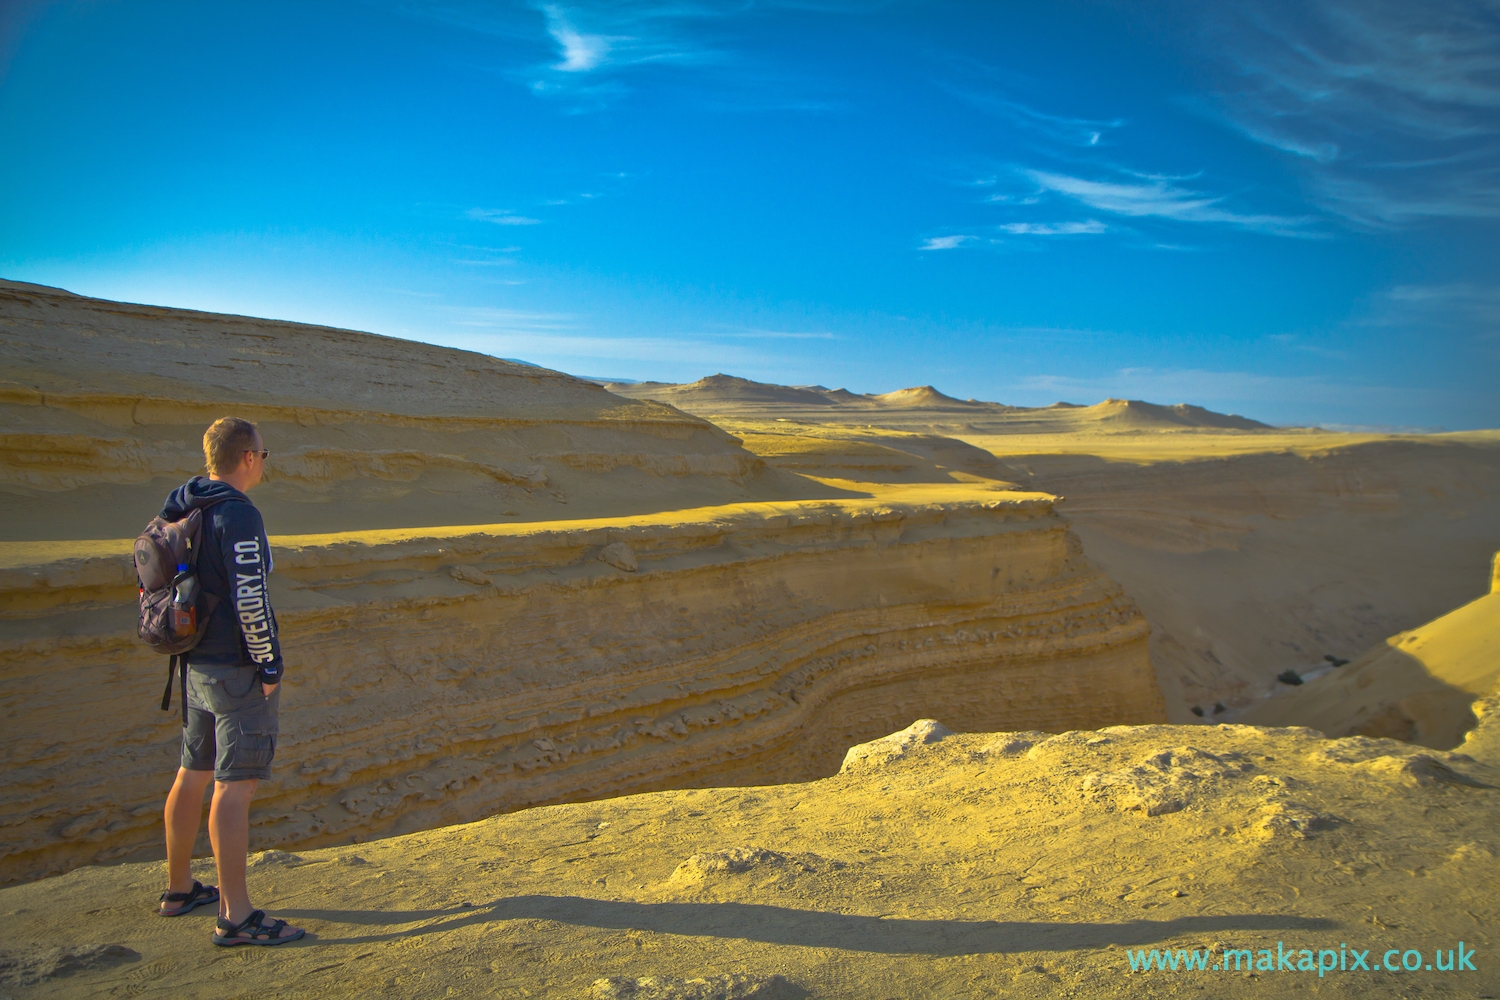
103 407
438 676
1251 550
455 647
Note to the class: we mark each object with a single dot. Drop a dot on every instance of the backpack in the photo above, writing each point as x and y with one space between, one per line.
174 609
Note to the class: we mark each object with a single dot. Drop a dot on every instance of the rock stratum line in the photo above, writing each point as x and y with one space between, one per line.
438 676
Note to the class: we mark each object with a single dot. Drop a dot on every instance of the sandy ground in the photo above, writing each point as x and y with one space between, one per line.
977 865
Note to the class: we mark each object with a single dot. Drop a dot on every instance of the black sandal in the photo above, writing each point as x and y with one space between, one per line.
227 934
198 895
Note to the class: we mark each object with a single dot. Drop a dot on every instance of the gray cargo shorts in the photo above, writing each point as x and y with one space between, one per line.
231 725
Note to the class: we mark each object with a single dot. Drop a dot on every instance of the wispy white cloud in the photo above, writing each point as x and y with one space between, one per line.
1355 88
481 247
1318 152
1120 192
570 342
1054 228
1299 343
1379 203
945 242
1082 132
576 352
580 52
593 37
491 256
1456 312
501 217
1162 197
781 335
514 321
996 92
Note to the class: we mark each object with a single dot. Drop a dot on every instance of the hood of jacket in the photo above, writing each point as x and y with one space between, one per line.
199 492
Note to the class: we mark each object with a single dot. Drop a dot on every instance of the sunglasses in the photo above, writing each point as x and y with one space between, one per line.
263 454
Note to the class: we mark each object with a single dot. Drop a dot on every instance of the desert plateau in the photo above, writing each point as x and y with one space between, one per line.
729 689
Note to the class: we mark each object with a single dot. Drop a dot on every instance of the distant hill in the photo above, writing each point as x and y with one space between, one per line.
1134 412
729 389
729 396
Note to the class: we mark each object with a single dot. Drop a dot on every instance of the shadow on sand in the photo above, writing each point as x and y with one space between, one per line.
810 928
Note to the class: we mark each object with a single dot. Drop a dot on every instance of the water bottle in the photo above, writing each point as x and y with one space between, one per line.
185 603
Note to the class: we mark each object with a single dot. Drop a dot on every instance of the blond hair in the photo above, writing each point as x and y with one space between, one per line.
225 443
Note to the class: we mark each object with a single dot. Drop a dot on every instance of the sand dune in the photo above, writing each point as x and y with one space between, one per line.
871 457
730 389
1419 686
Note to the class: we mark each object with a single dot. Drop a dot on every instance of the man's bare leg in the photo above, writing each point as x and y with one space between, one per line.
229 830
183 815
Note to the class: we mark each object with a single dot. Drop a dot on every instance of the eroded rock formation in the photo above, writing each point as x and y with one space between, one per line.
103 406
455 647
437 677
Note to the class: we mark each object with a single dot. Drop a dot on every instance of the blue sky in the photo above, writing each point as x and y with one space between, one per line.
1285 210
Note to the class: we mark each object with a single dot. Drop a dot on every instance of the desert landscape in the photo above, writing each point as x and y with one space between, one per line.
732 689
1252 550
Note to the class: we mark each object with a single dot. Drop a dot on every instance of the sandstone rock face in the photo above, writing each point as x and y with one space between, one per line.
436 676
498 586
1250 549
103 407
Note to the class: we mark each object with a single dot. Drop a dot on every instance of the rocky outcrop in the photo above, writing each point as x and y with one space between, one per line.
440 675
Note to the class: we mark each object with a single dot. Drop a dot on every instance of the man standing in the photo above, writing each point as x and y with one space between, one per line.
232 690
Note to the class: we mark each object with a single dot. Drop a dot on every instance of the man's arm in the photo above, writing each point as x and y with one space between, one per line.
247 558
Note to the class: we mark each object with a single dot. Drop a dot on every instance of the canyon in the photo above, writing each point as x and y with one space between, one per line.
1251 550
443 670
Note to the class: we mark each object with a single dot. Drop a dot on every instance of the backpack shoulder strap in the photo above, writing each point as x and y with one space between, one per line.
166 695
192 525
